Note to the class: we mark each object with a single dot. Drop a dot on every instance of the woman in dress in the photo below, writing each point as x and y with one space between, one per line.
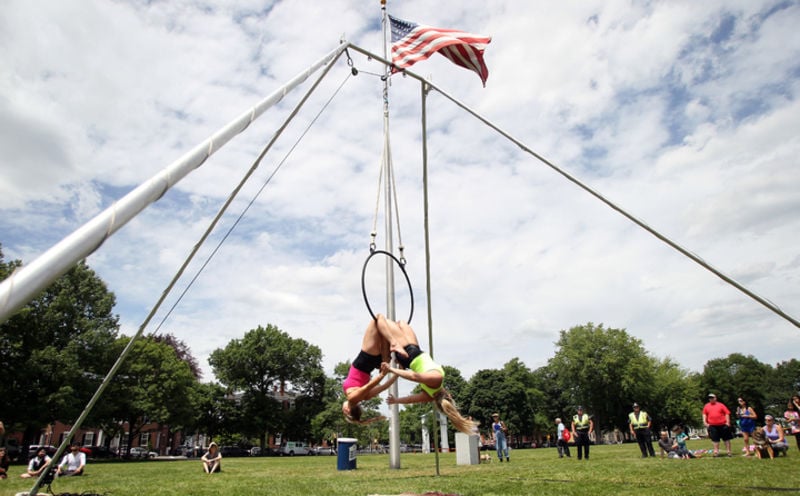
747 423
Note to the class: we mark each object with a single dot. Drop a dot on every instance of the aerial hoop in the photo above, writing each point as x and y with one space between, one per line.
401 264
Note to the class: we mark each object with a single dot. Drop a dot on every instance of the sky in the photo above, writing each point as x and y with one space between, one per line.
684 114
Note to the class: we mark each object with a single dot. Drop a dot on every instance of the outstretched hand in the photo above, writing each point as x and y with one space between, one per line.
385 368
391 400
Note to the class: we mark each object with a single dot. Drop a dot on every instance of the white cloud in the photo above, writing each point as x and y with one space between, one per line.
683 114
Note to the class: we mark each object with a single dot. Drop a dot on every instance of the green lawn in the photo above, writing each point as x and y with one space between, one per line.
612 470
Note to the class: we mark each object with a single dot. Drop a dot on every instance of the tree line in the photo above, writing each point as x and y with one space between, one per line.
56 350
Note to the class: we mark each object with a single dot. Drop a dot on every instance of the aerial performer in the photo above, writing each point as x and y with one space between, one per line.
358 386
419 367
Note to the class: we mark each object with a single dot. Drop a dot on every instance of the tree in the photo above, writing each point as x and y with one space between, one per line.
785 382
605 370
55 348
737 376
673 397
153 384
266 362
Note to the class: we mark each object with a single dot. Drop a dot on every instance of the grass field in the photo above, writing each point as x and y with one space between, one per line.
612 470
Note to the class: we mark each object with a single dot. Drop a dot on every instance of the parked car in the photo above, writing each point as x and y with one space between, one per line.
232 451
292 448
319 450
97 452
139 452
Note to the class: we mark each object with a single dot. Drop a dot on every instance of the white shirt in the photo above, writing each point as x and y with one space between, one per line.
74 461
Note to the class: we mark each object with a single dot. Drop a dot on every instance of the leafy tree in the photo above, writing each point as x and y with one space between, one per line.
152 385
267 361
54 349
673 398
785 382
737 376
215 411
606 370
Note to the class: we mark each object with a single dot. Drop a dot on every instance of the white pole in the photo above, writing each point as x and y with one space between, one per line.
394 410
25 283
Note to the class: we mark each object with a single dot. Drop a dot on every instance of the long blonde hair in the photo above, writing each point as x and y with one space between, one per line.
445 404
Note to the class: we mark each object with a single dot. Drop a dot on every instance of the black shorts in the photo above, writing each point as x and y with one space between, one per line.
366 362
413 352
717 432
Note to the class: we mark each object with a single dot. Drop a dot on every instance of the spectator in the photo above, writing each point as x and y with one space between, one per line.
73 463
792 416
747 423
774 433
667 446
499 431
212 459
38 464
5 461
680 442
639 423
561 443
582 426
717 419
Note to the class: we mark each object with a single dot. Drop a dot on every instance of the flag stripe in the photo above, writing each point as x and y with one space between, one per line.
413 42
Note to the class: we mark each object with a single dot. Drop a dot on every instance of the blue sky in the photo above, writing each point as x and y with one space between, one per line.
683 113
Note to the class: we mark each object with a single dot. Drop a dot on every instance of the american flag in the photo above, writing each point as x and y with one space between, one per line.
412 42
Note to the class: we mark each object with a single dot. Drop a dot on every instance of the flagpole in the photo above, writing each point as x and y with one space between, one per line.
394 410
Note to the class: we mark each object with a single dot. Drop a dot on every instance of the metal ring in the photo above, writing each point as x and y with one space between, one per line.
400 264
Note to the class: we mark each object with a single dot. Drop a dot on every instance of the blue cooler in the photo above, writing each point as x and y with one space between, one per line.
346 453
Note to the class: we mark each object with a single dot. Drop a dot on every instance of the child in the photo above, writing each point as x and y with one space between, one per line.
680 443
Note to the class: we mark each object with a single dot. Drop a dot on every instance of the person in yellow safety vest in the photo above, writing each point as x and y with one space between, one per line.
582 426
640 423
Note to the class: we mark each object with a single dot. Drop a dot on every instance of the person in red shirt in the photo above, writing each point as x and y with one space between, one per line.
717 419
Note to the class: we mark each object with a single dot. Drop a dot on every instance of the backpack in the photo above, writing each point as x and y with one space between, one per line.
566 436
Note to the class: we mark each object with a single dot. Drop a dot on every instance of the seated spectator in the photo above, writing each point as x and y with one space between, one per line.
37 465
680 443
5 461
73 463
212 459
667 446
774 433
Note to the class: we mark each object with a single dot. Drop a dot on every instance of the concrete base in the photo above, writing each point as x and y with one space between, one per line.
467 449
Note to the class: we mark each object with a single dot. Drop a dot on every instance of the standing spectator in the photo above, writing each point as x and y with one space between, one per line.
561 443
582 426
639 423
5 461
499 431
792 416
717 419
73 463
747 423
38 464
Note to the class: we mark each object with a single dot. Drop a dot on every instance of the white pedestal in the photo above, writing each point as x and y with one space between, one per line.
467 449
